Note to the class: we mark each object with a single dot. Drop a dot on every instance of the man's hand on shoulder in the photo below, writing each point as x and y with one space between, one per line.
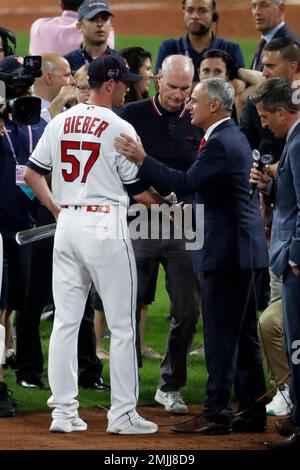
130 148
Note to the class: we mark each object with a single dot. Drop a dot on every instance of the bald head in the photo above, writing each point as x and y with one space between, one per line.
56 74
175 81
52 62
177 64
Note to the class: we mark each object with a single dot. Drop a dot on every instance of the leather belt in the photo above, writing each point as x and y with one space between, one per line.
104 209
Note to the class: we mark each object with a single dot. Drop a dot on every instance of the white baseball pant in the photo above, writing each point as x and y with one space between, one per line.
82 254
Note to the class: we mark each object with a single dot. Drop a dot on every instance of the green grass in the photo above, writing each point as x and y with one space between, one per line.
148 42
22 44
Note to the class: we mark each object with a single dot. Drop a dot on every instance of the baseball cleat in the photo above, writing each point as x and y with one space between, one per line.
281 404
68 425
172 401
140 426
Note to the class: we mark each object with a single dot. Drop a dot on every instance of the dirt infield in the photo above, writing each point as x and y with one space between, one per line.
30 432
158 17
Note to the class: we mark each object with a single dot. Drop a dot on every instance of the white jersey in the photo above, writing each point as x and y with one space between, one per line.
78 146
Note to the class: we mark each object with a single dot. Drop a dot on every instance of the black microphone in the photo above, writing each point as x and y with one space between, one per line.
261 161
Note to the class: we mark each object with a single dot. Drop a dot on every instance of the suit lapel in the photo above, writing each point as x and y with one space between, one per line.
283 156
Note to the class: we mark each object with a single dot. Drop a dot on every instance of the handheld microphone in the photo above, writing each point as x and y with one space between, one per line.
261 161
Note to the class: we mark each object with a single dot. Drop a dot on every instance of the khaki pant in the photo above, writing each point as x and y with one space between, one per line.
271 333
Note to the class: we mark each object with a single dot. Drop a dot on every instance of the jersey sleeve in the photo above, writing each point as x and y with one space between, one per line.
40 160
128 170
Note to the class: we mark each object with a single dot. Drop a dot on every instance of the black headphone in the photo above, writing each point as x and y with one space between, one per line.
8 35
215 16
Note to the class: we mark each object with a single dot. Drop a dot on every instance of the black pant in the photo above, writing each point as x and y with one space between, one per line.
89 365
232 350
36 268
181 284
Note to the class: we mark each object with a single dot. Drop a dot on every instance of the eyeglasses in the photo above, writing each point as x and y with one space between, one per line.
83 88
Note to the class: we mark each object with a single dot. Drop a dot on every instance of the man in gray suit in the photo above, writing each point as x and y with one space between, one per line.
278 106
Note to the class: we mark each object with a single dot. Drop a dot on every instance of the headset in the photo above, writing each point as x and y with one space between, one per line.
6 36
215 16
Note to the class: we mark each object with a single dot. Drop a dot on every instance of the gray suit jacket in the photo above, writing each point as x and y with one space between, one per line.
285 239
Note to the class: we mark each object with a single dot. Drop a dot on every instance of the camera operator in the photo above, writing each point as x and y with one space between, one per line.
7 37
23 280
7 47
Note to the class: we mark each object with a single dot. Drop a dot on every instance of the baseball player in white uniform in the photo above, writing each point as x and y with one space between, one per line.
89 198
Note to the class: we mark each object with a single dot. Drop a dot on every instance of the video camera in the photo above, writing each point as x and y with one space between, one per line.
23 109
261 160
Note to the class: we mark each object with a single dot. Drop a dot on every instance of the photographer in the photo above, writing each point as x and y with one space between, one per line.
19 210
6 38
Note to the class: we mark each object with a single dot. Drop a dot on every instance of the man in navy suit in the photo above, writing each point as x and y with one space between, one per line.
278 105
233 254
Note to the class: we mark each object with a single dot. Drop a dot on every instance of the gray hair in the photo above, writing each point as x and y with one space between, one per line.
179 62
278 2
275 93
220 89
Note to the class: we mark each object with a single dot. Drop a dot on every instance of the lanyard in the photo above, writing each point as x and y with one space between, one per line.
84 56
11 145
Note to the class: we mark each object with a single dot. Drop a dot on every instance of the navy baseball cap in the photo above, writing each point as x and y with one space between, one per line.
12 64
111 67
90 8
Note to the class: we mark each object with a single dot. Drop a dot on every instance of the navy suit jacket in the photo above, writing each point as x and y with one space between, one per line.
285 239
233 232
